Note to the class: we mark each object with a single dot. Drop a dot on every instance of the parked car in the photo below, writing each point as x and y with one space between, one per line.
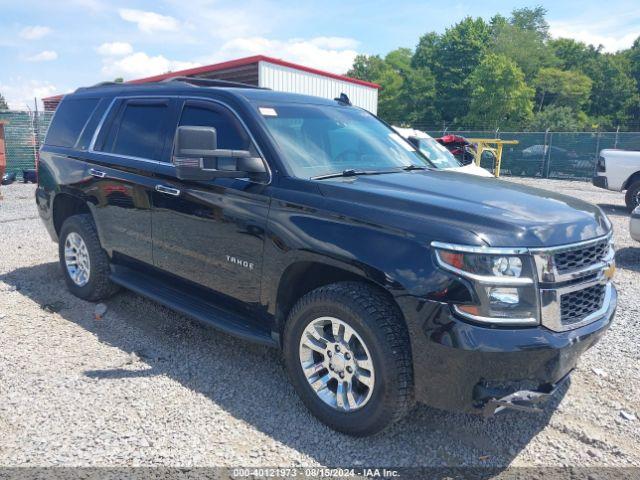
30 175
311 226
438 155
8 178
619 170
463 150
634 224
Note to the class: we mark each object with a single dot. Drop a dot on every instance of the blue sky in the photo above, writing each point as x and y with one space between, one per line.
50 47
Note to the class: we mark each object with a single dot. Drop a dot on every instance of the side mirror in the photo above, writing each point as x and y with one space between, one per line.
195 144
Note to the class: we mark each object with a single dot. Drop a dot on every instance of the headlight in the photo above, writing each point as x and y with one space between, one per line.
502 279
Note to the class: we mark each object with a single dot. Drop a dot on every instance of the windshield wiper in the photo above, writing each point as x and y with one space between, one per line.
408 168
349 172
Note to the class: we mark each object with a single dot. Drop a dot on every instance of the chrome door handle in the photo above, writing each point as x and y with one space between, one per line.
97 173
168 190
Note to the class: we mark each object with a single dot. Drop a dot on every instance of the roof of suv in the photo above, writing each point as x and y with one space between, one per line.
184 88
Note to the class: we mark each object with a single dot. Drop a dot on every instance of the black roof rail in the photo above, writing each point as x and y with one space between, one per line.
211 82
101 84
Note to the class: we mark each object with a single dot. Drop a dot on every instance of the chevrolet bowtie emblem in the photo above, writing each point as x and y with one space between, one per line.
610 270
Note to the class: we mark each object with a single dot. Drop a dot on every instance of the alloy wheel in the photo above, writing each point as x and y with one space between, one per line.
337 364
76 259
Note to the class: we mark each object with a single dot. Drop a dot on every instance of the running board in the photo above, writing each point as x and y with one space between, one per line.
191 305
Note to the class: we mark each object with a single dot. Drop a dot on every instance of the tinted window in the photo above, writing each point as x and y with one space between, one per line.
231 135
70 118
140 131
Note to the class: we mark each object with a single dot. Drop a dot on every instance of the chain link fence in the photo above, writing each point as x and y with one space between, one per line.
24 133
569 155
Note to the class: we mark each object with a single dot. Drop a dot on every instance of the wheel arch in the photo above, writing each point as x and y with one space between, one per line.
631 180
66 205
304 275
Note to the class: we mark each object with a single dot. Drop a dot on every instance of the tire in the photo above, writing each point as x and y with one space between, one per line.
632 197
96 285
379 326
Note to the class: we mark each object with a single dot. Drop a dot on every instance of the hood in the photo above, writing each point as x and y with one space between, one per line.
500 213
472 169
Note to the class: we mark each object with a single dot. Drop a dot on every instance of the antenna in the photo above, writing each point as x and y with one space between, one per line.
343 99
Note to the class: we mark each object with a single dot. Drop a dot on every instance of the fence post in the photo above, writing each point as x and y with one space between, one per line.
546 154
597 155
615 142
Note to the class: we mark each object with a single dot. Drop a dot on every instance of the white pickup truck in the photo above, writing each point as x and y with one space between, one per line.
619 170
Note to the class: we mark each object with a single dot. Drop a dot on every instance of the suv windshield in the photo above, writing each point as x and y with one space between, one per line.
317 140
439 155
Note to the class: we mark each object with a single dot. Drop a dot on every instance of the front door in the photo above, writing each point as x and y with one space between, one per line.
212 233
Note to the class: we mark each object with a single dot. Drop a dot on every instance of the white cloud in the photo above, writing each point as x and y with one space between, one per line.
334 54
149 22
20 92
334 42
115 49
140 64
34 32
44 56
607 33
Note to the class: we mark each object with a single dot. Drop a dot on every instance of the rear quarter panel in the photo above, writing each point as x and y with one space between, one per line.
620 165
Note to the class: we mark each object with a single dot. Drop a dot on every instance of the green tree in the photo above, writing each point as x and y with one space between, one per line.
571 54
563 88
522 37
452 57
633 54
373 68
407 94
3 103
499 94
427 51
367 67
613 94
559 119
525 47
532 20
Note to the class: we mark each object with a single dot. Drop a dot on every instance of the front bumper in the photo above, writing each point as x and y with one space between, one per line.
460 366
600 181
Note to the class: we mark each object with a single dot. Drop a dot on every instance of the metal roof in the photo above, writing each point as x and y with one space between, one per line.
238 63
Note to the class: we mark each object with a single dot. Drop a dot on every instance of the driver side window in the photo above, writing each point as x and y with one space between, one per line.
230 133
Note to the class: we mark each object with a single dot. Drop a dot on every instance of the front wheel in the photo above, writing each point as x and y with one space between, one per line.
632 197
348 355
85 265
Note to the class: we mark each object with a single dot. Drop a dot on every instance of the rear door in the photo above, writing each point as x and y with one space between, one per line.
131 142
212 233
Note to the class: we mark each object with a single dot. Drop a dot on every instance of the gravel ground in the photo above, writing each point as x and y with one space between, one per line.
145 386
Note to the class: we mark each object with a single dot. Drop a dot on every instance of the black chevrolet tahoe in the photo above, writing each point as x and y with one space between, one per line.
309 225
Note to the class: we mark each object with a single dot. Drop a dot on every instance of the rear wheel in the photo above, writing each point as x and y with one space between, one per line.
348 355
85 265
632 197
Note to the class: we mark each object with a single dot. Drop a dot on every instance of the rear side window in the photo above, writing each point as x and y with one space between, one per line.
140 130
69 120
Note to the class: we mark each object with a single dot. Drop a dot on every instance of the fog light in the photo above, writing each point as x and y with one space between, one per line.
499 296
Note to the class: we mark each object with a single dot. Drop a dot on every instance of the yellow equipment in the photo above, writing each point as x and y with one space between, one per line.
493 145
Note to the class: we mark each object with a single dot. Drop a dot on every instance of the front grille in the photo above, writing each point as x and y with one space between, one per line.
580 257
576 306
